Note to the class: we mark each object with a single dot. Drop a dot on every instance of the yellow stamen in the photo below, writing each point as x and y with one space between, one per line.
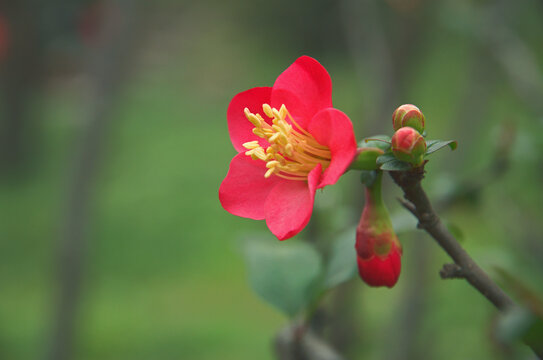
251 145
292 152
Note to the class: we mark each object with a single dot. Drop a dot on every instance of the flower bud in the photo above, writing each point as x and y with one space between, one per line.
408 115
377 246
409 146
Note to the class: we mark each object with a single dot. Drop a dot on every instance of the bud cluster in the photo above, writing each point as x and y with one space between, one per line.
407 143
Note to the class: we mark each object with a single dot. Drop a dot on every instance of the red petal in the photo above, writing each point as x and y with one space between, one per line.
244 190
334 129
290 204
241 129
381 271
305 88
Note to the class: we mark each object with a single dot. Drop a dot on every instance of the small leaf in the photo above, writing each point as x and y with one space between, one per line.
396 165
367 177
385 158
283 273
435 145
431 142
514 324
378 141
342 264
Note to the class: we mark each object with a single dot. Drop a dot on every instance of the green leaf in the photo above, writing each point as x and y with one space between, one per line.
367 177
514 324
435 145
283 274
385 158
396 165
342 263
378 141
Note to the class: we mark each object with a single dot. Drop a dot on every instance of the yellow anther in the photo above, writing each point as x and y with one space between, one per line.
267 110
251 145
274 137
262 121
260 153
279 158
254 120
276 114
272 164
269 173
289 149
292 152
283 111
277 128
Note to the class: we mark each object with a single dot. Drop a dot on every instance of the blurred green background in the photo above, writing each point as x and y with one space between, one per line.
114 143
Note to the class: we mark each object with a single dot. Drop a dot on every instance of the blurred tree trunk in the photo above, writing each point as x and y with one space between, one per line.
22 73
378 38
106 67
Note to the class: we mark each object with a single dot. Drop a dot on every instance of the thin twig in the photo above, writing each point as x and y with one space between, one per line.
410 182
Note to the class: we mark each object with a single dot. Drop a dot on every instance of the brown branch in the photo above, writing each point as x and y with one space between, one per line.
410 182
451 271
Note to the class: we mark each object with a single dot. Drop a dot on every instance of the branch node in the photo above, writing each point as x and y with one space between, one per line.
452 271
427 220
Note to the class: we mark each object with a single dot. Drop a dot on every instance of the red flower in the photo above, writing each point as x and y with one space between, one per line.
290 142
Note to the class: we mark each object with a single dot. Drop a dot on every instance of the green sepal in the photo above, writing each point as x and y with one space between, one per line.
366 159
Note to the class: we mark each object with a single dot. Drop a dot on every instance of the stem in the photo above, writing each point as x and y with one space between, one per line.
419 204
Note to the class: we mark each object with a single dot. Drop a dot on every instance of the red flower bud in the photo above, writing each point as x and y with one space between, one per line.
377 246
408 115
408 145
381 271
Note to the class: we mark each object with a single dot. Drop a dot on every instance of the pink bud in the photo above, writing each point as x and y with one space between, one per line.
408 115
381 270
408 145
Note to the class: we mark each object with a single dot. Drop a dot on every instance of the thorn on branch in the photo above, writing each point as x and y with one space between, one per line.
452 271
427 220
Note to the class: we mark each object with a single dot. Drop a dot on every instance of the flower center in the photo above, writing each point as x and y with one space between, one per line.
292 152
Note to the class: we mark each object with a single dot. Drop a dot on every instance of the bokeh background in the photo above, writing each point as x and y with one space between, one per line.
113 244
